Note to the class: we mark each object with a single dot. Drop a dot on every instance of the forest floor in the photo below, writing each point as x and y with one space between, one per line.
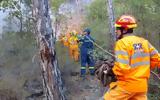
76 87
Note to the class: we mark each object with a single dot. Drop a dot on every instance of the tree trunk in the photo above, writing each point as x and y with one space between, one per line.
52 82
111 19
56 25
21 17
21 23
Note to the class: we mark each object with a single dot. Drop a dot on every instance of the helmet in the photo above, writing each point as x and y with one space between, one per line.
87 30
126 21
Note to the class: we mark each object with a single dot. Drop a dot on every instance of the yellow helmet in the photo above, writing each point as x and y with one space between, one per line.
126 21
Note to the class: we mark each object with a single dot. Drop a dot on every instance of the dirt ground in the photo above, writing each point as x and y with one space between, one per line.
76 87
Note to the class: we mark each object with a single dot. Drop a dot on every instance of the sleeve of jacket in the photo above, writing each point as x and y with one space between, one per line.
81 38
121 65
93 41
154 57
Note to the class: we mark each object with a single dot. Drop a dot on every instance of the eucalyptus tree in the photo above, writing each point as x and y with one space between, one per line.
52 81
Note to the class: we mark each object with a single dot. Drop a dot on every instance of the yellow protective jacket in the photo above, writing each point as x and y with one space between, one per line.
135 57
73 42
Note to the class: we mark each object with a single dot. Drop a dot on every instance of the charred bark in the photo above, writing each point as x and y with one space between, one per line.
52 82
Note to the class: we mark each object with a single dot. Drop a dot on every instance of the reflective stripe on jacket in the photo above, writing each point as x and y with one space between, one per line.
135 56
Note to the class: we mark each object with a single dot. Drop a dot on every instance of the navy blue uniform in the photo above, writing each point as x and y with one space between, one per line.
86 51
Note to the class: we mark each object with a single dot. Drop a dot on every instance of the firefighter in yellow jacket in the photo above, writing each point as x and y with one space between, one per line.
135 57
73 46
66 40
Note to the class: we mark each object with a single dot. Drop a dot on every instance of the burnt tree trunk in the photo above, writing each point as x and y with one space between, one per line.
52 82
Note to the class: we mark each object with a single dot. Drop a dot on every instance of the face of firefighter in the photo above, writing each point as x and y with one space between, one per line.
84 33
118 33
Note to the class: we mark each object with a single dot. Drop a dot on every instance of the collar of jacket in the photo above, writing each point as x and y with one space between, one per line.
125 35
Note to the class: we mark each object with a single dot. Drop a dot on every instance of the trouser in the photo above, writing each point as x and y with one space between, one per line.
87 59
74 52
118 93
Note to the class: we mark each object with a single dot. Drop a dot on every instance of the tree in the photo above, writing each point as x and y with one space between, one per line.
52 82
16 10
111 19
55 4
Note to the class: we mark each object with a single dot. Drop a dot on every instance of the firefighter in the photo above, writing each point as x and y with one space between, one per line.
135 57
65 40
86 50
73 46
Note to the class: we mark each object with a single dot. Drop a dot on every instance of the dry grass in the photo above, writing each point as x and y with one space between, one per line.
8 95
